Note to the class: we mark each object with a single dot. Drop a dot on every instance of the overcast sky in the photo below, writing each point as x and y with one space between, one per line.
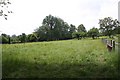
28 14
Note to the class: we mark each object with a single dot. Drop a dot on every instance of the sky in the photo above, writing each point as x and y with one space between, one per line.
28 14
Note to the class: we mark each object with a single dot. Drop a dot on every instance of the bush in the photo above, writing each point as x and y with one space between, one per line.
76 35
5 40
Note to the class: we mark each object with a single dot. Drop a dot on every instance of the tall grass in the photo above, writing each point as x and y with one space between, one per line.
61 59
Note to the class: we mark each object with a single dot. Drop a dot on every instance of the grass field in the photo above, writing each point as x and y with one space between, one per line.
61 59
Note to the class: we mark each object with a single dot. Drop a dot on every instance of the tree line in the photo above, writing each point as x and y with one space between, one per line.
54 28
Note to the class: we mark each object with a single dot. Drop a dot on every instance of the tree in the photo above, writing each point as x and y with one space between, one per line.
14 39
49 23
65 30
83 34
108 25
116 24
22 37
4 8
41 33
53 28
76 35
9 40
5 38
94 32
32 37
81 28
72 29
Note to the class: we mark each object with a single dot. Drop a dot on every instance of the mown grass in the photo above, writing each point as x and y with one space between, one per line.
61 59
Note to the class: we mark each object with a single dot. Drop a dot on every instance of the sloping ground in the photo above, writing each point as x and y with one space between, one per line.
61 59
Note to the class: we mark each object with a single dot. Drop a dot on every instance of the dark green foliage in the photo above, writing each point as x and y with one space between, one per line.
77 35
108 26
54 28
117 27
81 32
94 32
72 29
9 40
81 28
32 37
14 39
22 37
5 38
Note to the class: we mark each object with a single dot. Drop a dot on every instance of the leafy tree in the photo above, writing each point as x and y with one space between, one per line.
116 24
9 39
65 30
49 23
81 28
32 37
83 34
94 32
41 33
108 26
5 38
76 35
72 29
53 28
22 37
14 39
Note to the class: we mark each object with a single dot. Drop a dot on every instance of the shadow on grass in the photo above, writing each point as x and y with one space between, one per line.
24 69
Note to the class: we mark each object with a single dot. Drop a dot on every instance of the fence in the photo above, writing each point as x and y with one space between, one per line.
111 44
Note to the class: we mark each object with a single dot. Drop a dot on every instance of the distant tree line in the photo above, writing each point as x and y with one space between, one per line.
54 28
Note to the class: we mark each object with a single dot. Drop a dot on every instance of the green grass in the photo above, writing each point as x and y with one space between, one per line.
61 59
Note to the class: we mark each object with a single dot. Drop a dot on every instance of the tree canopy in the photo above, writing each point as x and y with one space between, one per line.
54 28
81 28
94 32
108 26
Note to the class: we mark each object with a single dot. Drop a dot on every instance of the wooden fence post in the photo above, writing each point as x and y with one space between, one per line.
113 44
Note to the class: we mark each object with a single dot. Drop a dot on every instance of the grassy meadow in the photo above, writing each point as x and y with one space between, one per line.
61 59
